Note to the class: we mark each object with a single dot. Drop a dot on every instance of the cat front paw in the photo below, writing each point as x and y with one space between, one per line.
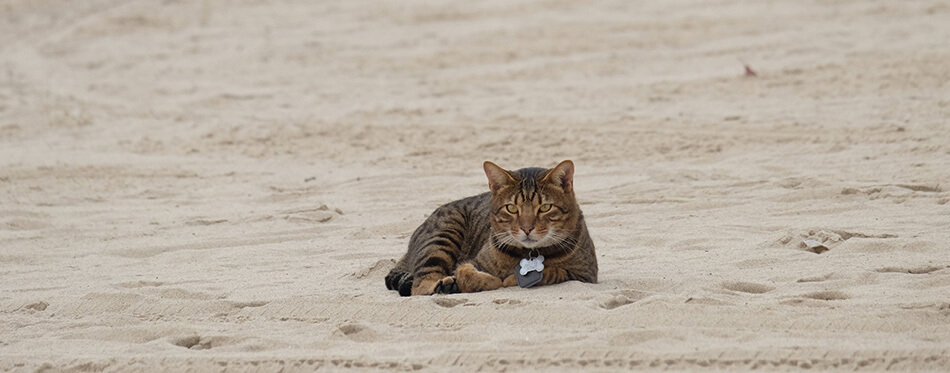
472 280
509 281
447 285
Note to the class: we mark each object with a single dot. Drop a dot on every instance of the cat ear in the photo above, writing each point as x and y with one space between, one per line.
497 177
562 175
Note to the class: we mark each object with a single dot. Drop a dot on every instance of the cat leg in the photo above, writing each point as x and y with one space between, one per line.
435 248
431 275
471 280
554 275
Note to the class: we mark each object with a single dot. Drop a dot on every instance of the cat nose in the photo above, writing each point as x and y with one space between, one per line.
527 230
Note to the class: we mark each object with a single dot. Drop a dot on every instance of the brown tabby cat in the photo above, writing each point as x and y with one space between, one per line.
474 244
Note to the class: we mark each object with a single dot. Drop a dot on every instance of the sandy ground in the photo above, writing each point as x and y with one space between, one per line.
222 185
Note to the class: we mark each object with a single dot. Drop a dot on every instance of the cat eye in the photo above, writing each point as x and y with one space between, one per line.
512 209
545 207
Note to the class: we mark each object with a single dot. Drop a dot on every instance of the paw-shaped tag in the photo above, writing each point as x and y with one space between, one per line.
533 264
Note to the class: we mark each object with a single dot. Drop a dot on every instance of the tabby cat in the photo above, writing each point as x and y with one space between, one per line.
474 244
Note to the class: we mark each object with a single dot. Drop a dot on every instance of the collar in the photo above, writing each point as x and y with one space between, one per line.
525 253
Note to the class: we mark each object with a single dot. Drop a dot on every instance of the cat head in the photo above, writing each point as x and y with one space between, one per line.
532 207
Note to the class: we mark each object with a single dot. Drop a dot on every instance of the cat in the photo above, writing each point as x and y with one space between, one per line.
475 243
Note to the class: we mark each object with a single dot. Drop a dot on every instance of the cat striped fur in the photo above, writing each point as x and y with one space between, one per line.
474 244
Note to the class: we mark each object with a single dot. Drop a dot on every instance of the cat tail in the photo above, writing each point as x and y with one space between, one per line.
400 279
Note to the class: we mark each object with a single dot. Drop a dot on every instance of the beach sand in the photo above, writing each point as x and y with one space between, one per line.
222 185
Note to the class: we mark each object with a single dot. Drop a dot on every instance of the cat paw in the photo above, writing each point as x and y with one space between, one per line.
447 285
399 281
405 286
509 281
472 280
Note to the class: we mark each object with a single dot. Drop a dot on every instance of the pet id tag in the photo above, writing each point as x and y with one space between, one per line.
528 273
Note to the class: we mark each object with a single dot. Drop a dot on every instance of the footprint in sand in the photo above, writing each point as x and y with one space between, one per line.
622 298
36 306
816 278
320 214
358 332
249 304
196 342
922 270
448 302
508 303
191 342
827 295
747 287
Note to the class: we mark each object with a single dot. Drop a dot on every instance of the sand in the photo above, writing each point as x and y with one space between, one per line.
222 185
